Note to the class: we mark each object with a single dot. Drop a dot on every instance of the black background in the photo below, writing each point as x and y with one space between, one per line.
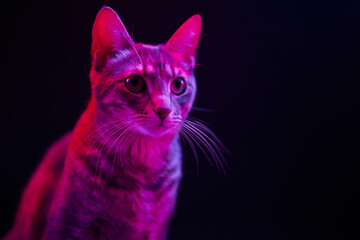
281 76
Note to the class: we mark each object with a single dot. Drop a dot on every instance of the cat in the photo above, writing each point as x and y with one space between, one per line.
116 175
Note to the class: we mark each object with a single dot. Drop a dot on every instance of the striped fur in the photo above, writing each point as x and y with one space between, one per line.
116 175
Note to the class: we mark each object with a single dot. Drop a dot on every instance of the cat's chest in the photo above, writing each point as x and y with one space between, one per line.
136 213
143 207
137 201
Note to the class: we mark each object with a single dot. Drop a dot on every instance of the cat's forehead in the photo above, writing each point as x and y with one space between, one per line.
156 61
151 61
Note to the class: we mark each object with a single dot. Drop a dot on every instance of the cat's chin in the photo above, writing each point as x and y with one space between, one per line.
157 131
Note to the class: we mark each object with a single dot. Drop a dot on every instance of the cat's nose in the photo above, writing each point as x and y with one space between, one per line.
162 112
162 106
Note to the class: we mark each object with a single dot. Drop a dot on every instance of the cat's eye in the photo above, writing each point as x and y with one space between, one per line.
178 86
135 84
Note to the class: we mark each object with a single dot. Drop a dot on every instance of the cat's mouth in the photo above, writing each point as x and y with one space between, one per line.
159 129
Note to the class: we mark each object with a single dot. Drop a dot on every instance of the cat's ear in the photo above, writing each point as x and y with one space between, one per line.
185 40
108 35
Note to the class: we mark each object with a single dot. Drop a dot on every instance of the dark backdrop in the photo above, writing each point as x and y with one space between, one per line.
281 77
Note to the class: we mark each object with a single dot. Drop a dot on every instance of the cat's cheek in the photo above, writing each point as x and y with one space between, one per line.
184 103
137 103
184 111
184 99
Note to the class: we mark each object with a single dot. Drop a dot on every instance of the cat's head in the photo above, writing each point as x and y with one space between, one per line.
154 86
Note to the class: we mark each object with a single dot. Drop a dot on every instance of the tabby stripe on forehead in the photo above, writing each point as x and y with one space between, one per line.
168 71
158 63
121 63
150 69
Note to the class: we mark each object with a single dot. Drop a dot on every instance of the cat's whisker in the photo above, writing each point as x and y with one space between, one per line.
201 109
201 143
96 130
115 154
124 128
100 136
112 146
118 127
128 129
204 131
200 65
184 136
203 138
114 130
101 127
198 133
133 47
128 132
190 136
200 123
127 140
116 143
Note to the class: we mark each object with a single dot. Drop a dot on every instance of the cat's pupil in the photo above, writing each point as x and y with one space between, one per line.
134 82
178 84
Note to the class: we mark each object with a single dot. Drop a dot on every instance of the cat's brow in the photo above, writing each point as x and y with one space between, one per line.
157 62
125 65
150 69
159 70
168 70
